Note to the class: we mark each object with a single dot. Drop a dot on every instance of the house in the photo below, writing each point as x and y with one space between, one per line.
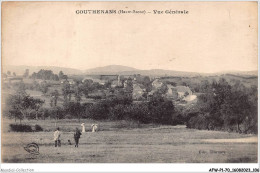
114 83
138 91
109 77
182 91
99 94
178 92
157 83
171 92
102 82
86 79
10 79
127 82
70 81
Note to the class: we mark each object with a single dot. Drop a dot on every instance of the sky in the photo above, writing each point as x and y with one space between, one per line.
212 37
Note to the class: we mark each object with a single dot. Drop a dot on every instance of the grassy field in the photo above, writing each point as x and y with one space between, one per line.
127 142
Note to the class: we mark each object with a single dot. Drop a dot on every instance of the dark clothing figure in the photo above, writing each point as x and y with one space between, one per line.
76 137
76 142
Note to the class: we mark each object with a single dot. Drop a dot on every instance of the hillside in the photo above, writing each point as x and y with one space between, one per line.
111 69
19 70
124 70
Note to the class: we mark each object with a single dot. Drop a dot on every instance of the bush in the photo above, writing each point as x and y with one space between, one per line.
38 128
198 122
68 116
20 128
98 111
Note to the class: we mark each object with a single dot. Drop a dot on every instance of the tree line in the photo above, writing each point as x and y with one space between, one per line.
48 75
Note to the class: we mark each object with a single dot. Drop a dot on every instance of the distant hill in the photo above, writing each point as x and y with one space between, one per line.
160 73
111 69
240 73
19 70
123 70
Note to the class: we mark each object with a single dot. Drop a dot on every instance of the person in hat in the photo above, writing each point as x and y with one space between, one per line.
57 137
76 137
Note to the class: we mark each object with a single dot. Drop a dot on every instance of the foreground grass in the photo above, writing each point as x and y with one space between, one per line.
117 143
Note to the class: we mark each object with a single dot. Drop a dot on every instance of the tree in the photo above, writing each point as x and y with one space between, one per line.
26 73
21 88
65 77
37 104
87 87
66 91
61 75
75 109
161 110
147 84
54 97
15 113
129 85
4 75
225 106
78 92
108 84
44 87
205 86
45 75
54 77
184 84
21 104
14 74
8 73
235 106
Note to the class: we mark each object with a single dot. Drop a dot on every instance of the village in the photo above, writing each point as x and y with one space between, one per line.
139 87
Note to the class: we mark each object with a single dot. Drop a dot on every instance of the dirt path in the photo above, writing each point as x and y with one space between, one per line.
253 139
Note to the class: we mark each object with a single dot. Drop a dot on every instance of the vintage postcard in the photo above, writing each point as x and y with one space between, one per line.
130 82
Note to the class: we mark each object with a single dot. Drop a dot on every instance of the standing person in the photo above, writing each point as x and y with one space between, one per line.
57 137
76 137
94 127
83 127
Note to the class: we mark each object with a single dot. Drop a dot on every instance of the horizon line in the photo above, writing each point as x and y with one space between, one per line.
82 70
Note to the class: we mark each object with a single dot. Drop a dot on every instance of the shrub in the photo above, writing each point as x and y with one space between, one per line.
20 128
68 116
198 122
38 128
98 111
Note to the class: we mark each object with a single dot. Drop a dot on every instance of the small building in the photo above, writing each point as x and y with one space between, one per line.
157 83
101 82
86 79
171 92
10 79
109 77
138 91
70 81
114 83
182 91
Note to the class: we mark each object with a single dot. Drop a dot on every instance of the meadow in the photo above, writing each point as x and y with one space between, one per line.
128 142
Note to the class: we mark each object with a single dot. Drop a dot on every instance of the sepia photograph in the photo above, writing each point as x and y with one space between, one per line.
129 82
